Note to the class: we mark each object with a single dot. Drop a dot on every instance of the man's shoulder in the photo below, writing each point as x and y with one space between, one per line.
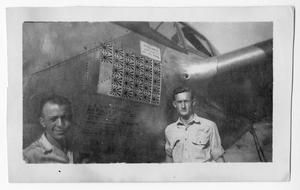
33 150
170 126
205 121
35 145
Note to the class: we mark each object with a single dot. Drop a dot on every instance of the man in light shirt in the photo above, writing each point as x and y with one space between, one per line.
52 146
191 138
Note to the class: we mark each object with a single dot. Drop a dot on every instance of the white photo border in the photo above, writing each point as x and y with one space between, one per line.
278 170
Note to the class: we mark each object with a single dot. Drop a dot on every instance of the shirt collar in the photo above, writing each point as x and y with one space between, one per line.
195 120
48 147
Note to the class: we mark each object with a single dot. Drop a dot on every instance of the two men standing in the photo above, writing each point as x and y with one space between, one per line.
191 138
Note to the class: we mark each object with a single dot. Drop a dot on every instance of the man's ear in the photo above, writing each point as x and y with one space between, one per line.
194 102
42 122
174 103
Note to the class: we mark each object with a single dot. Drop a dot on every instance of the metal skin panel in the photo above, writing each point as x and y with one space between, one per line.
120 130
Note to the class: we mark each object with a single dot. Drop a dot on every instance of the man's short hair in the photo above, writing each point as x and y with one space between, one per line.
54 99
181 89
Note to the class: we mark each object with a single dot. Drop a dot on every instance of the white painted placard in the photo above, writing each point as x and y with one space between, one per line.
150 51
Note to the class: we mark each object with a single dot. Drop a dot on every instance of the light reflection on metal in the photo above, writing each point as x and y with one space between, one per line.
208 68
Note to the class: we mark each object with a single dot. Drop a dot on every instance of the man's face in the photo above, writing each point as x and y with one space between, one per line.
56 119
184 104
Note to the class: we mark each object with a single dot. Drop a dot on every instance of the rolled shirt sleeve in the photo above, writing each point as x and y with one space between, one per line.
216 146
168 147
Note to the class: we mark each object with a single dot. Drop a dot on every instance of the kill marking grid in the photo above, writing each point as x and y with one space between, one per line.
133 77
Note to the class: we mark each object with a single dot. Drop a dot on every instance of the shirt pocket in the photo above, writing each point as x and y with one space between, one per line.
201 139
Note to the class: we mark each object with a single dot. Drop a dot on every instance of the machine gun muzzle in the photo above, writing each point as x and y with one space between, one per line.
207 68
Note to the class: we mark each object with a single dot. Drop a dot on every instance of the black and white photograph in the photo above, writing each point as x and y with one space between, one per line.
147 92
153 93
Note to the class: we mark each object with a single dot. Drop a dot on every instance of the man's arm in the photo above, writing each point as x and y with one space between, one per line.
217 150
220 159
169 159
168 150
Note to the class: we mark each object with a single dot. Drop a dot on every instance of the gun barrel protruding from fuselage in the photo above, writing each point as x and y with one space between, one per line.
207 68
